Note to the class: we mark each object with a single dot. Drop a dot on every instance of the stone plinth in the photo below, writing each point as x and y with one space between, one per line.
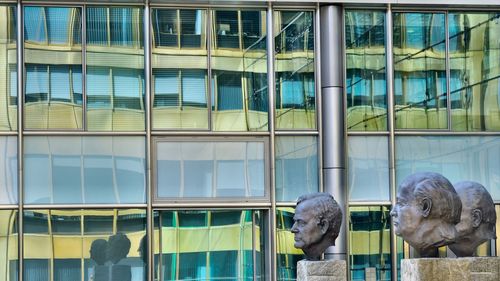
451 269
327 270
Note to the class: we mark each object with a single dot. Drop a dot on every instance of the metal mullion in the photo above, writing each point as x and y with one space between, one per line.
208 42
84 66
20 148
204 133
61 132
317 84
83 206
207 204
448 72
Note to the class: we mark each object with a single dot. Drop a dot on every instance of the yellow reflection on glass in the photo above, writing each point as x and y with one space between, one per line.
115 69
239 71
474 71
85 245
179 66
294 70
8 245
8 68
420 71
53 68
287 255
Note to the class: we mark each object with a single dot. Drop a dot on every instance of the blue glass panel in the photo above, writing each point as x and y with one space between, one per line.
97 31
166 87
59 83
34 24
98 87
37 83
194 87
58 21
121 27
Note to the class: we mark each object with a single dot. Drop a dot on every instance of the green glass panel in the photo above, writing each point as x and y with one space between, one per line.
370 242
474 71
420 71
58 248
115 69
8 245
179 63
239 71
287 255
53 63
365 71
8 68
294 70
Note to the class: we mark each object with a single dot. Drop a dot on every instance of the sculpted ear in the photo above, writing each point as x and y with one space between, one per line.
323 225
477 217
426 206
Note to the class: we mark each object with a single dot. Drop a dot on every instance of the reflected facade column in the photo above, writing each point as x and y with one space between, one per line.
332 86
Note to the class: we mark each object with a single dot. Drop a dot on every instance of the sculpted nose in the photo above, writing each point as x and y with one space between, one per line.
294 228
393 212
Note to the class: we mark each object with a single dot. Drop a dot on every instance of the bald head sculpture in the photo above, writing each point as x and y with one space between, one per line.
317 222
477 222
426 212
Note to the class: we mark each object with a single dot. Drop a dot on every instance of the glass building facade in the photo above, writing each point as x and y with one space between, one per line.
162 140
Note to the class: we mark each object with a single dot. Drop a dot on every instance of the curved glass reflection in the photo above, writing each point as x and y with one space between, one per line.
420 92
209 245
239 70
179 68
365 71
8 68
294 69
115 69
8 168
287 255
53 64
89 245
9 265
474 71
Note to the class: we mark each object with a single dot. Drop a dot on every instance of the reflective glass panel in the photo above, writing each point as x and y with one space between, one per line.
209 245
204 169
115 69
370 246
368 159
365 71
287 255
67 245
8 167
179 63
84 170
239 71
474 71
294 70
53 65
8 68
296 167
8 245
497 209
420 71
472 158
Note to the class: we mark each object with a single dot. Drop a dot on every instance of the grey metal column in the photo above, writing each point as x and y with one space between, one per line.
334 133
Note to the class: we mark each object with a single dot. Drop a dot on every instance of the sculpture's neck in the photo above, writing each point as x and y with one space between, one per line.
313 252
431 235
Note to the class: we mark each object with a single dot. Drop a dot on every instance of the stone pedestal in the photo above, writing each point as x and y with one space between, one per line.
451 269
327 270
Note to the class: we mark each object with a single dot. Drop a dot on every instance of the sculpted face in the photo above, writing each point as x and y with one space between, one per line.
406 215
306 230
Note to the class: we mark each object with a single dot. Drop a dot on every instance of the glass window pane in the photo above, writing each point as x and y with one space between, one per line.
227 247
115 69
9 245
420 71
79 170
294 70
368 170
296 167
365 71
472 158
66 253
239 71
8 69
204 169
287 255
475 71
53 63
8 166
370 247
180 78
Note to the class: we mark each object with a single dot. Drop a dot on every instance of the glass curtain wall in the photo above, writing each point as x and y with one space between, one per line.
53 67
209 245
9 264
294 70
287 255
62 245
8 68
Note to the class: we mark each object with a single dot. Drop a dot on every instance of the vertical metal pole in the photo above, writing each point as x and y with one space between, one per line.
317 60
390 122
271 272
333 123
147 115
20 104
84 67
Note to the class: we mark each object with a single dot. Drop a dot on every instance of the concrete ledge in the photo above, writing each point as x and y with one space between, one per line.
451 269
326 270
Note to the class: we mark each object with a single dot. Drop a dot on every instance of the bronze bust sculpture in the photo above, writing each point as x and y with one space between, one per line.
477 223
426 212
317 222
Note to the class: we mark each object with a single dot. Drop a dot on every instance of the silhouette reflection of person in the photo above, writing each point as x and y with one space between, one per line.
107 255
98 251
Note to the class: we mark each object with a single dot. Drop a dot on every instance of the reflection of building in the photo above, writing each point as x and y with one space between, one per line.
192 128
